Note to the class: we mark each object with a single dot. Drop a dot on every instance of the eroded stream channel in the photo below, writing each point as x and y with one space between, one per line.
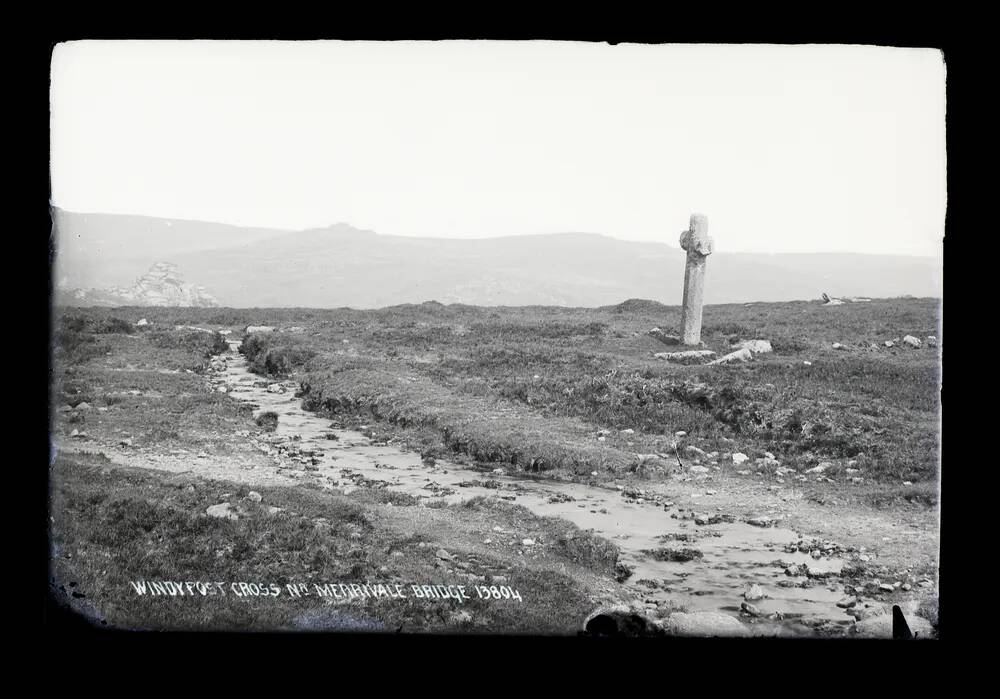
734 554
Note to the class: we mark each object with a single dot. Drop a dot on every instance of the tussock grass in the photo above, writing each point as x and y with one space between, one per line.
268 420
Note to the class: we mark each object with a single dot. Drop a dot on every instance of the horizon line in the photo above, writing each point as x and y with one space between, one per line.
53 206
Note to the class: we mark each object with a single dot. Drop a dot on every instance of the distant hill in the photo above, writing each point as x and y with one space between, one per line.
344 266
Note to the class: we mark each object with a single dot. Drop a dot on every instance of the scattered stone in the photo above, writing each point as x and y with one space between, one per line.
837 346
255 496
223 510
760 521
527 542
739 458
931 341
819 570
755 346
444 555
912 341
753 593
698 469
142 322
820 468
83 406
749 609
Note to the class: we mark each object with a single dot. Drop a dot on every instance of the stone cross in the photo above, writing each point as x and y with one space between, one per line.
698 245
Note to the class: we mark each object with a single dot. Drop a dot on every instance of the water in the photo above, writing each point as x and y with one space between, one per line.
734 554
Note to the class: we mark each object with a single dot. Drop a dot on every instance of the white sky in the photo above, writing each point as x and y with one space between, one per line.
785 148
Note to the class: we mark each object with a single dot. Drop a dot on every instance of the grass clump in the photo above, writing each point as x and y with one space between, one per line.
267 420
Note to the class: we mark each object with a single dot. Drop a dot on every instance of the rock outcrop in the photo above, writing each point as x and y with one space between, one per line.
162 285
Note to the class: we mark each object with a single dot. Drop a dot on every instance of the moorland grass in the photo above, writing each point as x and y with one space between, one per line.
532 386
115 526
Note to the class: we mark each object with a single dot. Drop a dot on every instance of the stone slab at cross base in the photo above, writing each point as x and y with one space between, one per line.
686 357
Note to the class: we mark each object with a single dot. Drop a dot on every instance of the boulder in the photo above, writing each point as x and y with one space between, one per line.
142 322
912 341
703 624
620 620
739 458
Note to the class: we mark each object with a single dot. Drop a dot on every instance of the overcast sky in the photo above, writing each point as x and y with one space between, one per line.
785 148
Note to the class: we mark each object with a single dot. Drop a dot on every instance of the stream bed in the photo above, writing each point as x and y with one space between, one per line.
734 554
